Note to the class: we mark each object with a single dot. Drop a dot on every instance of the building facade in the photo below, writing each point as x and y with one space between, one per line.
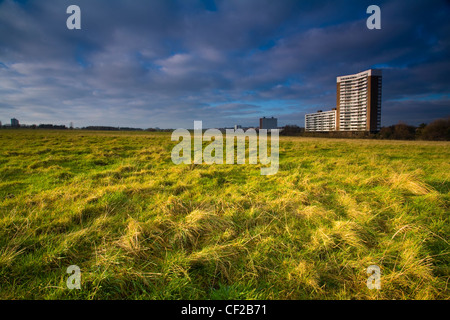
268 123
358 105
358 101
321 121
14 123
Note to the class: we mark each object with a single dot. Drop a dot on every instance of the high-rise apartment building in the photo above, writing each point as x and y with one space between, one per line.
358 105
358 101
321 121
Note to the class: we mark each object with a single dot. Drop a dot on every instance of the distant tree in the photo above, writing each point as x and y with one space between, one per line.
402 131
437 130
292 130
419 130
386 132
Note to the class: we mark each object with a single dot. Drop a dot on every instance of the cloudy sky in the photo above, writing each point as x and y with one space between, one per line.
166 63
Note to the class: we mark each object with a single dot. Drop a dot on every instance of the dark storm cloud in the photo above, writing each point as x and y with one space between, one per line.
168 63
413 110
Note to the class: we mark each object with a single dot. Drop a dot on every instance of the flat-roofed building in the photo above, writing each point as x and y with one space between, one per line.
358 101
321 121
268 123
14 123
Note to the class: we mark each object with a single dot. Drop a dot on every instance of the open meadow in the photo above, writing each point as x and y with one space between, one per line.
140 227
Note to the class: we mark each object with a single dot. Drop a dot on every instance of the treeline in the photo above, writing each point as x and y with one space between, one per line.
34 126
438 130
106 128
93 128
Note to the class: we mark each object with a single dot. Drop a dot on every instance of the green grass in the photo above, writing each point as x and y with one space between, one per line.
140 227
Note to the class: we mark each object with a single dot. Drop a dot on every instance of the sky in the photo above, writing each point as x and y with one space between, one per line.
166 63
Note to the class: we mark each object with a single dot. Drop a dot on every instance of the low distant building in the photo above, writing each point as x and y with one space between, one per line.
268 123
15 123
237 126
321 121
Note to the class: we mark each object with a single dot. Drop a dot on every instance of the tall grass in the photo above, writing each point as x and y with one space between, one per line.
140 227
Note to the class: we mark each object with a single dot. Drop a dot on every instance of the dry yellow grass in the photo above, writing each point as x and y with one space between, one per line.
141 227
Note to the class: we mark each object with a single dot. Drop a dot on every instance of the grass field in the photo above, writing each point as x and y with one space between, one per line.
140 227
